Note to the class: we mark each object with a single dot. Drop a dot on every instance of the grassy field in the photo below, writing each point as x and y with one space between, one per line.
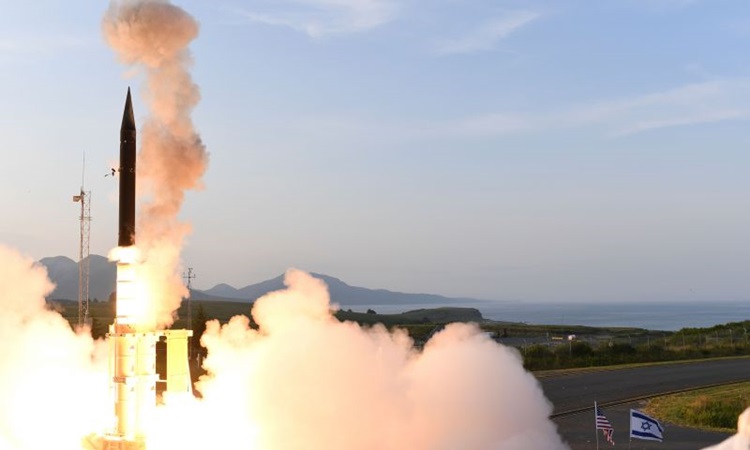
713 409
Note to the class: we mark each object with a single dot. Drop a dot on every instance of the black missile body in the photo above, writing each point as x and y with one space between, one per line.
127 176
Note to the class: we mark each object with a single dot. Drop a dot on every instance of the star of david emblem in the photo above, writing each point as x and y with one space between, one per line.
645 426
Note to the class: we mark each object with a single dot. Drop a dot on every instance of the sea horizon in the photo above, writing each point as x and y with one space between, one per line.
663 316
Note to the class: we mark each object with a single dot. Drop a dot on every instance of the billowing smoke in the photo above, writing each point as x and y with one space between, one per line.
53 382
153 36
304 380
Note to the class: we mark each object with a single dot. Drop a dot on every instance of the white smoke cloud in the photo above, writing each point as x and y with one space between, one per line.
53 381
303 380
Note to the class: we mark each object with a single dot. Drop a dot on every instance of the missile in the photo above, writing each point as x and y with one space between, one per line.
131 341
127 177
126 277
132 355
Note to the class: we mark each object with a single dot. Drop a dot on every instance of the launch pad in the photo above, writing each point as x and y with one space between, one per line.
133 384
108 442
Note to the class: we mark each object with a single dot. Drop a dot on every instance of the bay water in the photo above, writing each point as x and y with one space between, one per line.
667 316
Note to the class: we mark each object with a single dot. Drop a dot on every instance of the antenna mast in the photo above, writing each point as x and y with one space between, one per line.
190 275
84 267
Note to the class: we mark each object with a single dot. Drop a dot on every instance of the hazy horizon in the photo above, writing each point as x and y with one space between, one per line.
459 298
525 150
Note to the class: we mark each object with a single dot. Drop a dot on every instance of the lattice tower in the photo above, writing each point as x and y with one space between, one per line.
189 275
84 266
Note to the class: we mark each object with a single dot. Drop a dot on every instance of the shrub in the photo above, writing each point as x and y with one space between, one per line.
717 413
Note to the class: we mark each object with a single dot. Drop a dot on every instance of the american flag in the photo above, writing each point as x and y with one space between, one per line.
603 424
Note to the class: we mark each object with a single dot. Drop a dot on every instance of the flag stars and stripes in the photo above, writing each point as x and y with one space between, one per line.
603 424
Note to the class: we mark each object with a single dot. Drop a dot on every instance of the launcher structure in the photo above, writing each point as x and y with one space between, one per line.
132 341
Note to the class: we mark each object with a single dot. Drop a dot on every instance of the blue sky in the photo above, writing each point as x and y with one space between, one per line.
519 150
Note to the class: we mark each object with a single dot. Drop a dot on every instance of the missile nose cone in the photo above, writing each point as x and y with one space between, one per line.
128 121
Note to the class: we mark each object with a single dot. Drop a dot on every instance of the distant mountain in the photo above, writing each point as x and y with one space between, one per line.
223 290
196 294
63 272
341 293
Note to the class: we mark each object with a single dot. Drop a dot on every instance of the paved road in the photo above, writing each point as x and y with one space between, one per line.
579 390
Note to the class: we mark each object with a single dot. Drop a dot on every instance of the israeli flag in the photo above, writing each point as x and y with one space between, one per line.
645 427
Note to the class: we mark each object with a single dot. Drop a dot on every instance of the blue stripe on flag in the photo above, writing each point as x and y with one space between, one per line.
645 427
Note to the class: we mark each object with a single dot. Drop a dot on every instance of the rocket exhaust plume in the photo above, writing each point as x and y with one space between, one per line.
153 36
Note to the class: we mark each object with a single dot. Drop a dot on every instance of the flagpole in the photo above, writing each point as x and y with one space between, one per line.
596 431
630 429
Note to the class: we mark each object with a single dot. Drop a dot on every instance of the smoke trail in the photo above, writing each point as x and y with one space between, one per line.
53 382
153 36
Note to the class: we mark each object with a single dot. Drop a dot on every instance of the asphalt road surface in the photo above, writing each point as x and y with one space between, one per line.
575 391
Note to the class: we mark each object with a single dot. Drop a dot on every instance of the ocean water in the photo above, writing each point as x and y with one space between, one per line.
651 316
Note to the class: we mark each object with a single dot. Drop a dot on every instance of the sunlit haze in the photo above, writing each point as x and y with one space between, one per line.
520 150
